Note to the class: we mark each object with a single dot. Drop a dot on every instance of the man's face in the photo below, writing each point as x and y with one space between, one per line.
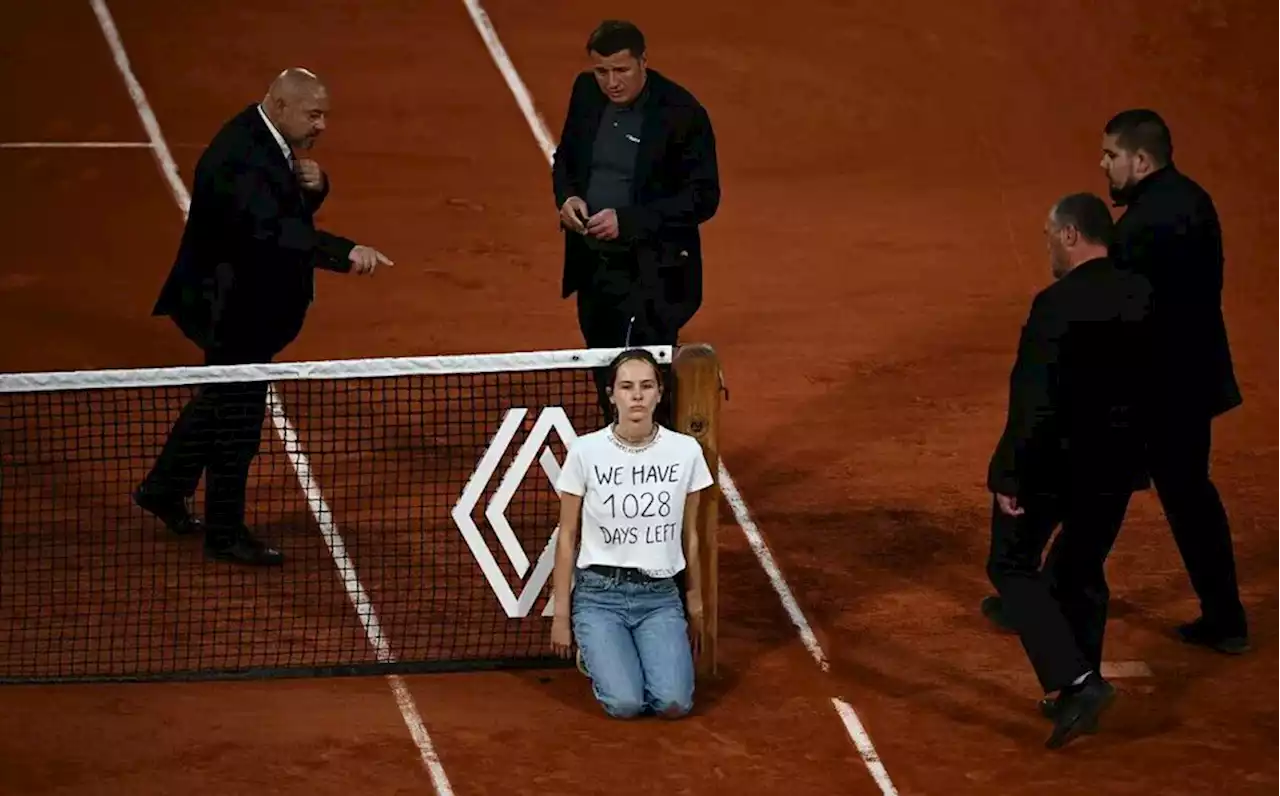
1121 165
620 76
302 118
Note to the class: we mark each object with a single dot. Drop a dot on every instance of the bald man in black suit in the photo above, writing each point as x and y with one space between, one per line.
240 289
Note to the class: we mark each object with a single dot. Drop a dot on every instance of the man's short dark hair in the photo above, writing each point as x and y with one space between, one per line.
1088 214
1143 129
616 35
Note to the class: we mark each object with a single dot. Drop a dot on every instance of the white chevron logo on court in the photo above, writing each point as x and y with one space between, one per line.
552 417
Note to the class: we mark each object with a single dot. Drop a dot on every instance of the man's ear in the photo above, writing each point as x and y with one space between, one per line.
1145 164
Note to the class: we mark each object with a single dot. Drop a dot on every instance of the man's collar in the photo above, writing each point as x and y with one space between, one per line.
1127 196
285 149
639 102
1093 263
1085 266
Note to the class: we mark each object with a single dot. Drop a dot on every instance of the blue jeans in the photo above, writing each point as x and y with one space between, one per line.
634 640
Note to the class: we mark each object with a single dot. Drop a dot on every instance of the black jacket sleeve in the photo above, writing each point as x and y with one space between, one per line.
1032 413
562 166
254 209
313 199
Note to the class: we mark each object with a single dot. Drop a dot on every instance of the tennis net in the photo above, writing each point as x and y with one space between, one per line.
412 499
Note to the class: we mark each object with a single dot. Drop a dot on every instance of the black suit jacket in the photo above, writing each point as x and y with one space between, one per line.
1170 234
676 188
1077 388
243 277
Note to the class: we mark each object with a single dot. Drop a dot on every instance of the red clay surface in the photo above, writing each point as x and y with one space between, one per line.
886 171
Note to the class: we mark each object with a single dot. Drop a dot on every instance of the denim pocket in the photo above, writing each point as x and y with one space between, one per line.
592 581
666 587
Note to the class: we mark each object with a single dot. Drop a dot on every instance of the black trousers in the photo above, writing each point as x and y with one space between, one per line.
1059 610
218 434
1179 456
615 310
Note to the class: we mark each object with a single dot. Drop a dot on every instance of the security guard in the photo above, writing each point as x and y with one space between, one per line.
1071 454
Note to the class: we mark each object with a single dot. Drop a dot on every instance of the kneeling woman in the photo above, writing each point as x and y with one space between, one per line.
633 488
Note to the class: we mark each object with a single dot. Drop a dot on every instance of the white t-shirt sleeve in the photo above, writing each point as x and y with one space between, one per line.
701 476
572 478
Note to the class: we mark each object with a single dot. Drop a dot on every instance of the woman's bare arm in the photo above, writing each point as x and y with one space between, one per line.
693 565
566 549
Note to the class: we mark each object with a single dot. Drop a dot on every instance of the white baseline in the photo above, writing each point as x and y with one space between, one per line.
75 145
297 457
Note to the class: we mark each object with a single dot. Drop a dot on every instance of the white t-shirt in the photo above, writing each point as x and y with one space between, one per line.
633 498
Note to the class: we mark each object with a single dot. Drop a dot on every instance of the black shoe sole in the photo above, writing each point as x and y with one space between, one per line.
1089 718
1049 709
241 554
1227 645
165 512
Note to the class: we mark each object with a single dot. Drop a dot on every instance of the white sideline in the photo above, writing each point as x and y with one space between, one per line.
543 136
758 546
359 600
866 750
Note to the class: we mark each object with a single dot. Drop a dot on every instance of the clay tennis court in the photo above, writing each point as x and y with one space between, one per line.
886 170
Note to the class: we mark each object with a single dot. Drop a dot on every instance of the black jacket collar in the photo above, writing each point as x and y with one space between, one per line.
1130 195
262 136
1089 266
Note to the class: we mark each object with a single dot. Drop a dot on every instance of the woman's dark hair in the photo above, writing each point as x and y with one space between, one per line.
630 355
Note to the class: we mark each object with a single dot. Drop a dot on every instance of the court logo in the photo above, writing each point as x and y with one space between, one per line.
553 417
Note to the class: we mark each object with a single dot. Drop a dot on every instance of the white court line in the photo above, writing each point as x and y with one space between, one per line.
356 592
865 749
503 61
743 515
333 538
1119 670
730 490
75 145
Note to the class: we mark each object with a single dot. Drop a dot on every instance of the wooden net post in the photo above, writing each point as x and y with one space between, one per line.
697 399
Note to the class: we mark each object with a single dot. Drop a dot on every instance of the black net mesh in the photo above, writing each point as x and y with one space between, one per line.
354 479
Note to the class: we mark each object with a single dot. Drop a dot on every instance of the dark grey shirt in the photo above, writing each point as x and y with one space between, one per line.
613 160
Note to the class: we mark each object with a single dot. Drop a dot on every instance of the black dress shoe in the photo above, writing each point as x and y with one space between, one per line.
1203 633
1048 707
169 509
993 609
1079 707
244 549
